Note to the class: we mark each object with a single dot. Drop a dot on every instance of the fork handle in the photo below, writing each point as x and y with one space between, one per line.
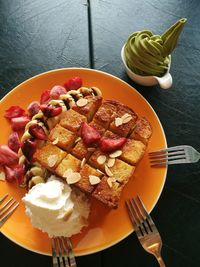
160 261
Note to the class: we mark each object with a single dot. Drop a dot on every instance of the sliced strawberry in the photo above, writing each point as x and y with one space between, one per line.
33 108
19 123
7 156
15 173
45 97
37 131
73 83
89 134
110 145
56 91
14 112
14 142
50 110
10 174
28 148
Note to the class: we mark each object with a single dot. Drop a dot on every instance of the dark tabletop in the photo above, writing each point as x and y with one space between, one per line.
39 35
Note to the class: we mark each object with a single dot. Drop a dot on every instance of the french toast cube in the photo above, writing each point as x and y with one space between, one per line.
64 138
80 150
53 121
133 151
142 131
93 160
84 184
110 196
72 120
49 156
122 171
125 128
69 162
90 108
98 127
105 114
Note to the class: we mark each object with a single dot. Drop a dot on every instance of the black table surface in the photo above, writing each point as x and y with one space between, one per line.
36 36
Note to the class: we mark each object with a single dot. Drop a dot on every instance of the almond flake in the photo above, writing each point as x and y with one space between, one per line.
82 102
115 154
101 159
67 214
73 178
52 160
2 176
126 120
55 141
111 162
126 115
118 122
108 171
110 181
99 171
91 149
94 179
77 140
83 162
67 173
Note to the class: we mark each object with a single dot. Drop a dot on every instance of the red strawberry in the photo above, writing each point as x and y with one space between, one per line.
10 174
7 156
50 110
89 134
15 173
37 131
73 83
14 142
14 112
33 108
19 123
45 97
28 148
110 145
56 91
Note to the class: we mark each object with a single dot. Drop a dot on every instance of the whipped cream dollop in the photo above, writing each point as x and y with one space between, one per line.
54 208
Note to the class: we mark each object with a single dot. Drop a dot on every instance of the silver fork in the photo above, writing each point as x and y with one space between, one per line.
145 228
174 155
62 253
7 209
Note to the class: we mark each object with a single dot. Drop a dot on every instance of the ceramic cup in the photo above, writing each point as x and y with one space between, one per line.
165 81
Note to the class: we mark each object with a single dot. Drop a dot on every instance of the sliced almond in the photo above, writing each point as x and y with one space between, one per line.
94 179
55 141
82 102
101 159
118 122
108 171
77 140
73 178
99 171
110 181
83 162
67 173
52 160
111 162
91 149
2 176
126 115
126 120
67 214
115 154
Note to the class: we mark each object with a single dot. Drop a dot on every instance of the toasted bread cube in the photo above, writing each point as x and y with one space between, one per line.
110 196
80 150
105 114
97 127
93 160
126 127
133 151
122 171
72 120
53 121
142 131
69 162
93 103
111 135
84 184
49 156
64 138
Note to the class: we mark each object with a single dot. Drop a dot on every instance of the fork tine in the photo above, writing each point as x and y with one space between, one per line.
131 215
2 199
65 252
54 258
4 219
148 217
72 259
164 159
164 163
60 254
11 203
174 148
6 204
165 154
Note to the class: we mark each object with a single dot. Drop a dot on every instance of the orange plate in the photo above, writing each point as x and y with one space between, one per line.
106 227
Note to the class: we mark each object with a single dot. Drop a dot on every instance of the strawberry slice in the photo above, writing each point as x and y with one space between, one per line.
33 108
15 173
89 134
19 123
73 83
10 174
37 131
14 112
50 110
29 147
7 156
14 142
45 97
110 145
56 91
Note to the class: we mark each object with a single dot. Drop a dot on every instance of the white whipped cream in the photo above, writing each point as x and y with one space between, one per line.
54 208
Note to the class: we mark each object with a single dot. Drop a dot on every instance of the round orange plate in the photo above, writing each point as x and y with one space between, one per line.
106 227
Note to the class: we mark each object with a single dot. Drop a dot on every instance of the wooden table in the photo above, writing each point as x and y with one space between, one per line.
36 36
